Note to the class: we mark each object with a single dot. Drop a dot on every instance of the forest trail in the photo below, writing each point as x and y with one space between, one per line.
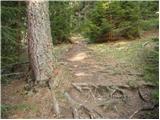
95 81
111 88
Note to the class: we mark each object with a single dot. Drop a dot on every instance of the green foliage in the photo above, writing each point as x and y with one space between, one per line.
5 80
152 64
155 95
13 23
60 13
96 24
6 108
150 24
95 20
151 69
127 18
121 18
149 9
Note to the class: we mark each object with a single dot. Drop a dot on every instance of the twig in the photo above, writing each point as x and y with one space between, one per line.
144 44
115 107
77 87
134 113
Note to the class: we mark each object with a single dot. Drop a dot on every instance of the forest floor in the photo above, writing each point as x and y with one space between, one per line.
95 81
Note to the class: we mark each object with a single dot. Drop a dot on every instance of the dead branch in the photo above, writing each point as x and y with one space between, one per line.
77 87
144 44
134 113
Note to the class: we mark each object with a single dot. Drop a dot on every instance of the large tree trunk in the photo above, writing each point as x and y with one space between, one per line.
40 40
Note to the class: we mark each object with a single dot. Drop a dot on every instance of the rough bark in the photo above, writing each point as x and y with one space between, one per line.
40 46
40 41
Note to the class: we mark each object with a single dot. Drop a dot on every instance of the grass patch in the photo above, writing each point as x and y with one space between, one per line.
140 55
7 108
150 24
58 50
151 66
127 52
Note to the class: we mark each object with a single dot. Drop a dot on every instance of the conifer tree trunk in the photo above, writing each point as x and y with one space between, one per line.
40 41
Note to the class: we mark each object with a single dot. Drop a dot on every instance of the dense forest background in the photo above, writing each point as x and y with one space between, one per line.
98 21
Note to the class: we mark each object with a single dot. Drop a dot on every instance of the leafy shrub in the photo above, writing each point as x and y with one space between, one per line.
13 23
151 69
60 13
97 25
120 18
150 24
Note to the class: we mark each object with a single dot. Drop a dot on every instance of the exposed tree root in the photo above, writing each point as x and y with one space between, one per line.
114 92
143 109
55 102
141 96
92 113
112 89
81 86
117 90
149 85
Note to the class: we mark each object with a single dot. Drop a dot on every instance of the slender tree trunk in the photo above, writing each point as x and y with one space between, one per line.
40 41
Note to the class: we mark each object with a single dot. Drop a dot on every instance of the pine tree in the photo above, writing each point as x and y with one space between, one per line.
40 41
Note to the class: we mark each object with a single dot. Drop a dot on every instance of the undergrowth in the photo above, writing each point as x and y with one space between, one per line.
6 108
141 55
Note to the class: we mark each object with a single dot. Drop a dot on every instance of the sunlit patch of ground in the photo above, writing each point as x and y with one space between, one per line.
120 43
79 74
78 57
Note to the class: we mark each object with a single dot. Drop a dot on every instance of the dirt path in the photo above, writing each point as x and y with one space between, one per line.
94 83
104 86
